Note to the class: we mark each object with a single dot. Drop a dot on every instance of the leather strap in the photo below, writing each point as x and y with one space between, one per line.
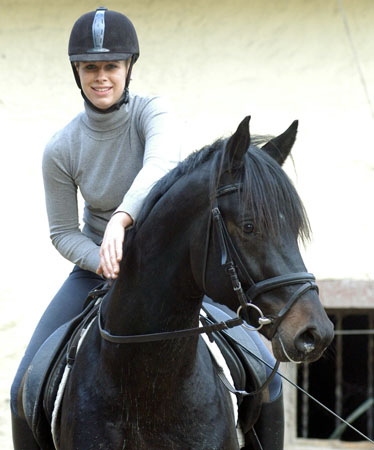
281 281
221 375
152 337
296 295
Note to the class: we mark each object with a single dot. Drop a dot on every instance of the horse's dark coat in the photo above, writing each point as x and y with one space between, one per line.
165 395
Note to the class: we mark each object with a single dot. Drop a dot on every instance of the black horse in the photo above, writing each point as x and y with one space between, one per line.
224 223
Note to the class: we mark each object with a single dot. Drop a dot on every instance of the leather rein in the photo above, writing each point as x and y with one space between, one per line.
228 253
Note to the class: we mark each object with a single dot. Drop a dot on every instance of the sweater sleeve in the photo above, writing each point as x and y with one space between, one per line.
62 210
158 129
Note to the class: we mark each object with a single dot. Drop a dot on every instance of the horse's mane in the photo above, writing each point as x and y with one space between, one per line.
188 165
266 189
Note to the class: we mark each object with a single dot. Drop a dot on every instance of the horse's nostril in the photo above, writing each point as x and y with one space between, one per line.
306 341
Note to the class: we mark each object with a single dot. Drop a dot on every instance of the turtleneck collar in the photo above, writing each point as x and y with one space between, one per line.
105 124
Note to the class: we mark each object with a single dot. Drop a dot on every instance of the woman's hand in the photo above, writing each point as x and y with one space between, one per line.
111 247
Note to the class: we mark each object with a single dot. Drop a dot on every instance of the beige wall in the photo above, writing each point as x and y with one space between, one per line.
217 61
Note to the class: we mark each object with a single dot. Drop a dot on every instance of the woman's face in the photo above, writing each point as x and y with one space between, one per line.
103 82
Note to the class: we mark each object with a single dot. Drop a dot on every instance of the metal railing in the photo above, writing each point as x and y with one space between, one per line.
351 355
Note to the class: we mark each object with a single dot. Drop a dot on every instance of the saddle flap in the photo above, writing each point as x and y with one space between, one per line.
45 372
35 381
238 340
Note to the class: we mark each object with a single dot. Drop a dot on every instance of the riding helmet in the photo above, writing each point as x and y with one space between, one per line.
103 35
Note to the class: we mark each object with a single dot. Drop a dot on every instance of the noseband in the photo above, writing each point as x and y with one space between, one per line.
230 261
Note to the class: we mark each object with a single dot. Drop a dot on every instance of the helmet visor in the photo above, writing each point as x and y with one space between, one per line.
100 56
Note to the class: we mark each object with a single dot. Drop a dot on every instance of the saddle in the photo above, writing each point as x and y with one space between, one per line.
44 375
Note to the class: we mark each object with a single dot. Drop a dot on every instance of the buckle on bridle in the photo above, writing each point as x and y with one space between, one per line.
262 320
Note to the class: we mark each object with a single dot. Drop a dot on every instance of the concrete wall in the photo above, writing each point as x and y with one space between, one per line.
277 60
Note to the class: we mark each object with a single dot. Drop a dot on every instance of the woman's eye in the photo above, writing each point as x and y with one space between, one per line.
248 227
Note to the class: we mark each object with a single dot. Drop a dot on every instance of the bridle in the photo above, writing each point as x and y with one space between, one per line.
231 260
228 254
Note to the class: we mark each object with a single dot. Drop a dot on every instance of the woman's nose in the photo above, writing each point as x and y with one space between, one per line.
101 75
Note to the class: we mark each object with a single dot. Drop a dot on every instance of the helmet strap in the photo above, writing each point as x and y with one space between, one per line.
76 75
128 79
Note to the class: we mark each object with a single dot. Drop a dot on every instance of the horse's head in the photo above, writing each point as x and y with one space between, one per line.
256 222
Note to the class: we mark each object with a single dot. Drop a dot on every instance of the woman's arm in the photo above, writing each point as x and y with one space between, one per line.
62 211
158 131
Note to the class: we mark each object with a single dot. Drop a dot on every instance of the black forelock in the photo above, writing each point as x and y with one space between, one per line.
271 196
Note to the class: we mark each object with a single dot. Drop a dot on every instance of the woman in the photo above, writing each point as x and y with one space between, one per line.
114 152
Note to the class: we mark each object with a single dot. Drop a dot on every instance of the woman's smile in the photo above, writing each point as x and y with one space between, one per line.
101 90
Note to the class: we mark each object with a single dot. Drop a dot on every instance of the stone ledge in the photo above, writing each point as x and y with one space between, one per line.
347 293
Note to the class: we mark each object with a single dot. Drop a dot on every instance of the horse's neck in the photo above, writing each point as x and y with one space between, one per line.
145 300
152 289
156 289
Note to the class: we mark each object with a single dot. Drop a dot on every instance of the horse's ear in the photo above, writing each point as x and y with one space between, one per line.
239 142
280 147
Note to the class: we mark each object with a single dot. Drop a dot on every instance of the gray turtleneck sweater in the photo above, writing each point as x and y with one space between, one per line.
114 159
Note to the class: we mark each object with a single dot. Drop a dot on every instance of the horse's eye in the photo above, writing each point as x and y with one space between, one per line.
248 227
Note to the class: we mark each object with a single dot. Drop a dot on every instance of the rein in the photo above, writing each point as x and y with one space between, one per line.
152 337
